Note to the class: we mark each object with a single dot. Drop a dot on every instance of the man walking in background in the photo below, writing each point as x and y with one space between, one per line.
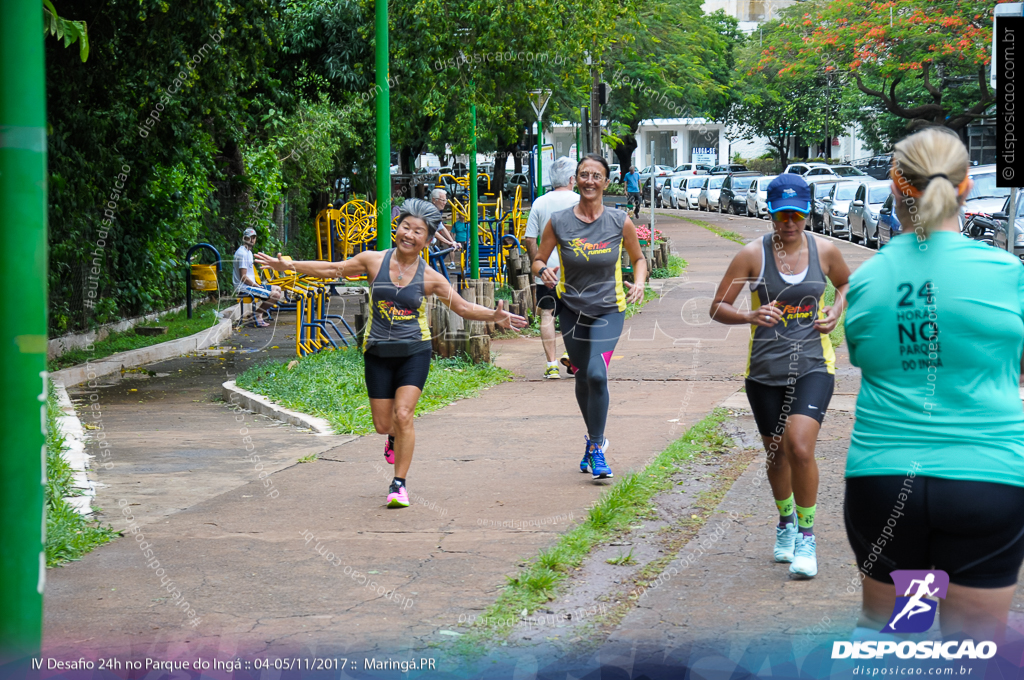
561 197
632 179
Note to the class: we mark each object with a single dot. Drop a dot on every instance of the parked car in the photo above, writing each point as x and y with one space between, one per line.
690 169
614 174
838 206
1018 225
864 211
757 197
875 166
673 191
517 179
728 168
660 172
985 197
835 171
802 168
694 185
708 197
733 197
820 188
888 223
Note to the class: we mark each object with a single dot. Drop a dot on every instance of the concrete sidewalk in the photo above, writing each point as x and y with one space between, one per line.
252 560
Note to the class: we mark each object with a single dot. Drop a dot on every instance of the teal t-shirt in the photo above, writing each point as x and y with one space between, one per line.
937 329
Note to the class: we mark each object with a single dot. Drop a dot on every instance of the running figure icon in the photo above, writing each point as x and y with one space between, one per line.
914 604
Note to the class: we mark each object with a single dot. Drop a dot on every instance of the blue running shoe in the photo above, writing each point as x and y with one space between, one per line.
785 542
599 468
585 463
805 563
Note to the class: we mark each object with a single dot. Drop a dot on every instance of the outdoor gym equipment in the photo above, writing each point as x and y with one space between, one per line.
201 277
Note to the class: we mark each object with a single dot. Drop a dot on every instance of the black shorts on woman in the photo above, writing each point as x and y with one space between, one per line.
791 365
397 340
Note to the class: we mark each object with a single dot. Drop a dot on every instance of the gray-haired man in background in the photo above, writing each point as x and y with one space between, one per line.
563 176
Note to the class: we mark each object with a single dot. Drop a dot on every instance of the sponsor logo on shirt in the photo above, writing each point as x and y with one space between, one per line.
390 312
582 248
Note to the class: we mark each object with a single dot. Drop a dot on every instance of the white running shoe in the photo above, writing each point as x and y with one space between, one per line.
805 561
785 542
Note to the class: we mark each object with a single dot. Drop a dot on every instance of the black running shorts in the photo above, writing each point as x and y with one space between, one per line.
773 404
546 297
974 531
384 375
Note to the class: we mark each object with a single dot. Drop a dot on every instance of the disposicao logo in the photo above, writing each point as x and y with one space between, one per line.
788 193
915 614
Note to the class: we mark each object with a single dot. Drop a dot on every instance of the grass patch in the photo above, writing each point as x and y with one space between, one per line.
178 326
331 385
622 505
675 267
838 334
724 233
69 535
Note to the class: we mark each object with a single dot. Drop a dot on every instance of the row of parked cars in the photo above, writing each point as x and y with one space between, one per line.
853 206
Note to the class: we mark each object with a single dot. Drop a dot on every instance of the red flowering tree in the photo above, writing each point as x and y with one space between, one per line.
925 61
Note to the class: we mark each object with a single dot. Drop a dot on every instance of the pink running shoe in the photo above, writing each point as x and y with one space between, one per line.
389 451
398 498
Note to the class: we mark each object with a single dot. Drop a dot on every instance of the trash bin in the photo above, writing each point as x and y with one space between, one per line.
204 277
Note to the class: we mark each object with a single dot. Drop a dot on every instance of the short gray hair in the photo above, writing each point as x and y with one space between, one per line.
416 207
561 170
436 193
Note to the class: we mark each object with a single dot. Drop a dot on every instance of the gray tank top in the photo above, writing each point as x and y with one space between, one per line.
398 316
792 348
590 274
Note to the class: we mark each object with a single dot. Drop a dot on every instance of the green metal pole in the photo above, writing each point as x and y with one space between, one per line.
540 157
383 129
474 234
23 334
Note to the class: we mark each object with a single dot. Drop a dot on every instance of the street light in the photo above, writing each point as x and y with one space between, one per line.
539 101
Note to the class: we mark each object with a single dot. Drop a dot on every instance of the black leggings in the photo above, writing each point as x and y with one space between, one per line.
586 339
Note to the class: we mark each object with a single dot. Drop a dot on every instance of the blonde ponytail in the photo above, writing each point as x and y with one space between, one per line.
930 172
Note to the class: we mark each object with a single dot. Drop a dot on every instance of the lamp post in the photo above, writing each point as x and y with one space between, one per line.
23 357
383 127
539 101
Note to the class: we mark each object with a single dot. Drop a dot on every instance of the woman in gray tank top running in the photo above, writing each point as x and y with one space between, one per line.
790 363
589 239
397 347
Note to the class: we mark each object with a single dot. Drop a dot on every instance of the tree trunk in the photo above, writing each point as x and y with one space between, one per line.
624 154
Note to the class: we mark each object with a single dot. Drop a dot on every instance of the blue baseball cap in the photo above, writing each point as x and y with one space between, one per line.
789 192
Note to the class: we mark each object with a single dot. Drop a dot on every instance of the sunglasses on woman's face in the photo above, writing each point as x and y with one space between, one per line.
596 176
787 215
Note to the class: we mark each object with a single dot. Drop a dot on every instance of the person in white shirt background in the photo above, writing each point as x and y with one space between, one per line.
243 275
562 196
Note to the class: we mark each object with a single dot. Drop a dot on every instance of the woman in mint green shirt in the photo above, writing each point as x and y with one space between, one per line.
935 470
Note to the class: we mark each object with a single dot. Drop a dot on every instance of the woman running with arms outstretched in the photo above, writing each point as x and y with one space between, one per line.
791 365
397 345
592 301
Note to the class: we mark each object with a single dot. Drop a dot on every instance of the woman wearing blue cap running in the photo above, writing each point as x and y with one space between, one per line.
791 365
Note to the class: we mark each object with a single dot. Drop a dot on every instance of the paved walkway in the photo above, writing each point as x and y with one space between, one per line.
246 559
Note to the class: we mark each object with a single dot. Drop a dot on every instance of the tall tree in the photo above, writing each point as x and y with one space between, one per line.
923 61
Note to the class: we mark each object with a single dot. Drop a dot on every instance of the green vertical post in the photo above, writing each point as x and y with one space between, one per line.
23 333
383 128
540 158
579 141
474 234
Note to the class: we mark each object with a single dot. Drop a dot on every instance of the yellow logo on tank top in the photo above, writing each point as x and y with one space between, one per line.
790 312
390 312
581 247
